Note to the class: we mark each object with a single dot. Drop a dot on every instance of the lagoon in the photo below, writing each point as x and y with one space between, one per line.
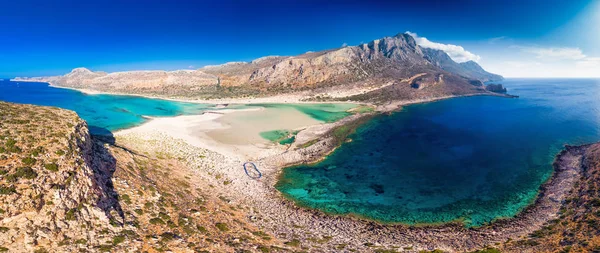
107 113
470 159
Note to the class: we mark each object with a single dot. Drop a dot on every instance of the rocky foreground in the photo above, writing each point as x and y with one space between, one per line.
62 190
388 69
577 225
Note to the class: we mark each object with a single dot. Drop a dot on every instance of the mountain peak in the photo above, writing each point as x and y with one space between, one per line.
81 70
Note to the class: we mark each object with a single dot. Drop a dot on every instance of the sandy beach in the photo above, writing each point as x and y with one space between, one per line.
230 132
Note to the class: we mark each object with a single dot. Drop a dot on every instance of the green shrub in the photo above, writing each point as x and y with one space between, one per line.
118 239
7 190
28 160
156 221
105 248
201 229
3 229
70 215
51 167
26 172
222 226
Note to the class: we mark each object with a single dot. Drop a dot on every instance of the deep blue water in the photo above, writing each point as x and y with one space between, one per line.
472 159
103 113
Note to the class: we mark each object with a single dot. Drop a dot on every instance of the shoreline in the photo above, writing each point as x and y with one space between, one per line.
293 98
275 164
271 211
283 214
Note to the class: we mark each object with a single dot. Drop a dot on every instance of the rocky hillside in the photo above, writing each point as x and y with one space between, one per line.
578 224
359 69
63 191
469 69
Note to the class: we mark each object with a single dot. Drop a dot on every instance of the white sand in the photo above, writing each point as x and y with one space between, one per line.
233 133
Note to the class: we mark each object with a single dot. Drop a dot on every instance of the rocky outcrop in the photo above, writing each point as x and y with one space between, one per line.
54 184
62 190
387 60
498 88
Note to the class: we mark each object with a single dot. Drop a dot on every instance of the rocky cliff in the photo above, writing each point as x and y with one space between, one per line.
363 68
52 184
61 190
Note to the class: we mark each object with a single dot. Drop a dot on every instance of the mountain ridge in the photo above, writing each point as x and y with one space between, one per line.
361 69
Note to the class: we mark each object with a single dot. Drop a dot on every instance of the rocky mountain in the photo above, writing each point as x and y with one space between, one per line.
469 69
339 73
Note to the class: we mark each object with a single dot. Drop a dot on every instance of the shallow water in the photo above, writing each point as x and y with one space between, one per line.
472 159
103 113
107 113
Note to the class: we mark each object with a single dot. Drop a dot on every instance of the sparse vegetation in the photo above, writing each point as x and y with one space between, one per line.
157 221
6 190
26 172
51 167
222 227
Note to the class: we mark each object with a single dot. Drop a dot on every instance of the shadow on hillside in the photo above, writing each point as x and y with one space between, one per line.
106 136
104 165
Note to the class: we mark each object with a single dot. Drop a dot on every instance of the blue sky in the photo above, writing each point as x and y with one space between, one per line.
513 38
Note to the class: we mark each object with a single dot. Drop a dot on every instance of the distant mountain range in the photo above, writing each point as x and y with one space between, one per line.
391 68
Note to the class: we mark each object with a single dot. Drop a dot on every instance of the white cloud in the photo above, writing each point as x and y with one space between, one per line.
344 44
559 53
457 53
589 62
191 67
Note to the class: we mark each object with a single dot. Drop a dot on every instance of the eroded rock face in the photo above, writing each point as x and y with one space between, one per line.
62 190
52 186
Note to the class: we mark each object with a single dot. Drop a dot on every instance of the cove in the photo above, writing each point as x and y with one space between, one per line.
470 159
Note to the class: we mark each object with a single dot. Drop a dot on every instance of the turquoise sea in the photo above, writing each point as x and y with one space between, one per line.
107 113
471 159
103 113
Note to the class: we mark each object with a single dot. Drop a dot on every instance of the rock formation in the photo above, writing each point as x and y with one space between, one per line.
498 88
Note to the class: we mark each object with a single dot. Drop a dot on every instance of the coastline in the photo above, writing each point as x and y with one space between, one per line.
318 151
292 98
273 212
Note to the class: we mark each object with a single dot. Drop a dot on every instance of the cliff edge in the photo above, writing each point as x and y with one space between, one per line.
62 190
